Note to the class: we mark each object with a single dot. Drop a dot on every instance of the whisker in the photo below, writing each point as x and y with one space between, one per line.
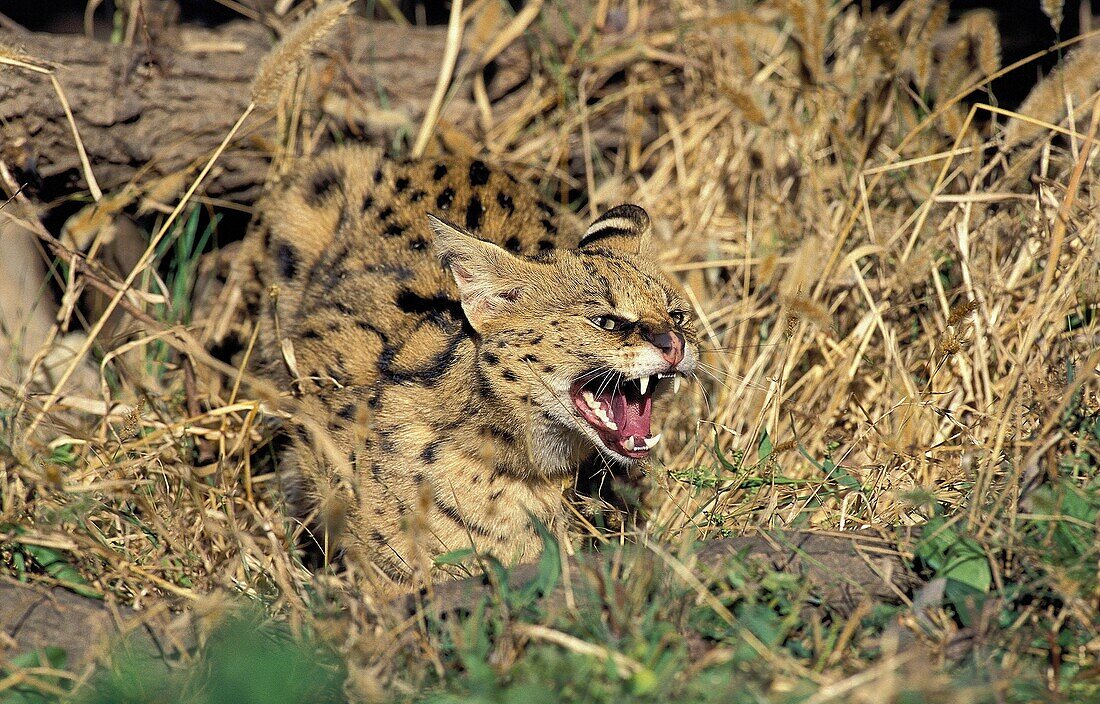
702 387
720 375
603 386
733 348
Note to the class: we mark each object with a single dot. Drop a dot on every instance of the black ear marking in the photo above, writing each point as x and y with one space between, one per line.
620 228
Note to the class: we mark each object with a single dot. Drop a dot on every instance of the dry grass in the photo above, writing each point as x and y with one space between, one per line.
892 287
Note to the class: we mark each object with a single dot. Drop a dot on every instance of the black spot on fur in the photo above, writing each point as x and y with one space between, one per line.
386 442
311 334
483 386
287 259
344 308
439 309
479 173
431 371
302 434
321 185
439 172
546 208
509 375
535 340
505 201
334 275
546 245
369 327
368 202
394 230
446 197
417 196
513 244
400 184
474 211
430 453
418 245
348 412
385 213
378 175
529 359
499 435
551 228
452 513
490 358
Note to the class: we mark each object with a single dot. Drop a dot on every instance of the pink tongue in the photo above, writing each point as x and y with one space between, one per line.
632 416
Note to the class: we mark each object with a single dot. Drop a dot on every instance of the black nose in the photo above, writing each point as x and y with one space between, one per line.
671 345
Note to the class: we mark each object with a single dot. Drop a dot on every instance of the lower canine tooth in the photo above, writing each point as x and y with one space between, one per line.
651 442
675 385
629 443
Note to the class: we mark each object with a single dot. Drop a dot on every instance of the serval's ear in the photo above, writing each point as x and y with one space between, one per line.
490 278
621 229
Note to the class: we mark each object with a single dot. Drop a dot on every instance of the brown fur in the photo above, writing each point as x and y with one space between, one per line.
432 411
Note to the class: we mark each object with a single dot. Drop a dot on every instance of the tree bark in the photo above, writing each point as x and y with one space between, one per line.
165 108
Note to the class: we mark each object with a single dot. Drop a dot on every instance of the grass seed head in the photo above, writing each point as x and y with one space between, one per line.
288 57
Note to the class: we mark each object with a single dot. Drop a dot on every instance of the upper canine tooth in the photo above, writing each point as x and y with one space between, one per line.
643 384
676 384
651 442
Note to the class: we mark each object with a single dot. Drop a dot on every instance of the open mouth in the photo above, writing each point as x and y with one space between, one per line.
619 410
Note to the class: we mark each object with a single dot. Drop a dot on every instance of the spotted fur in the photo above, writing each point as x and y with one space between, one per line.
430 354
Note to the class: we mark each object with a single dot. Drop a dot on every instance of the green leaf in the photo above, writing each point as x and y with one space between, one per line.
549 563
729 465
764 447
973 571
962 562
840 475
454 557
54 657
61 570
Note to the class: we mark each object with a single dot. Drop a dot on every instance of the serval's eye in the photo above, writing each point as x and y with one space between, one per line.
609 323
679 317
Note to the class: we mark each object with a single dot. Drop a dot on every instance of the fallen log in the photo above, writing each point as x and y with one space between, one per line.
162 110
